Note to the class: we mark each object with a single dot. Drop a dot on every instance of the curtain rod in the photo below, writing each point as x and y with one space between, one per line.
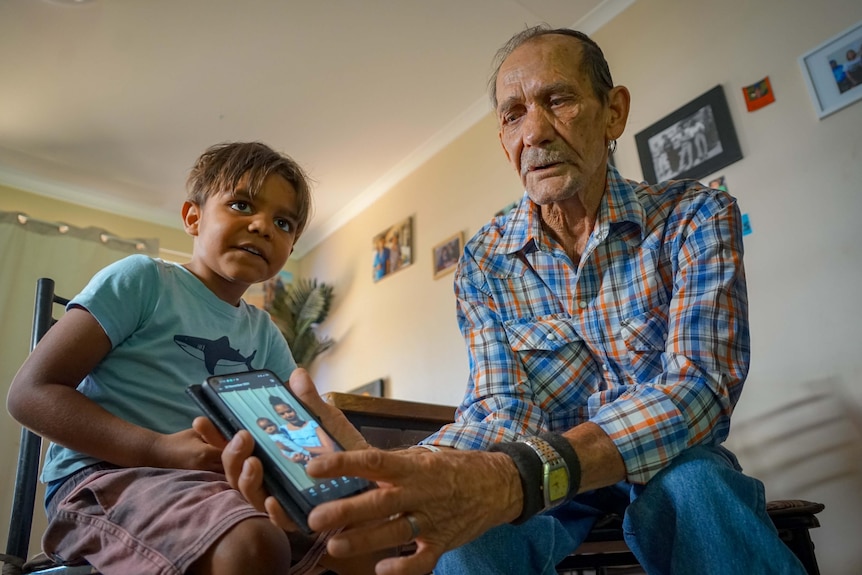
105 237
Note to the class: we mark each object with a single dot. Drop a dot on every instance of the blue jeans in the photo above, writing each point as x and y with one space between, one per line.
698 515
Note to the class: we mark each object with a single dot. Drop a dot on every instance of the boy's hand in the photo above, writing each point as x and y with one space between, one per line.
245 473
196 448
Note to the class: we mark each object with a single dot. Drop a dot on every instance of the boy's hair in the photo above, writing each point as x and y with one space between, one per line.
221 167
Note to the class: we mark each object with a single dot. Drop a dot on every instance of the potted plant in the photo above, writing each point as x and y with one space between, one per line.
297 310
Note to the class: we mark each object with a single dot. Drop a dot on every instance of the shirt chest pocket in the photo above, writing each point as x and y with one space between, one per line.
541 335
557 362
645 339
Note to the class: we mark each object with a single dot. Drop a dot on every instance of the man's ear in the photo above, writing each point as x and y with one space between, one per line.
191 217
619 100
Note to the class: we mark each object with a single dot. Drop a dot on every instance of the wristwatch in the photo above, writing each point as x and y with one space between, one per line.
555 472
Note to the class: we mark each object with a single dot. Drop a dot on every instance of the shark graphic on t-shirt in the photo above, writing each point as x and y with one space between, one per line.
213 352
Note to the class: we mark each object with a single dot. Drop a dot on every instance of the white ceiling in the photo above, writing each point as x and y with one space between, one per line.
107 103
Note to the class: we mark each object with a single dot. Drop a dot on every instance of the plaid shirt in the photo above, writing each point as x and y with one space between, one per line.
647 337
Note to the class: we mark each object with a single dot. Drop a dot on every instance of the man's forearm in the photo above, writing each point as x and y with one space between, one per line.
601 462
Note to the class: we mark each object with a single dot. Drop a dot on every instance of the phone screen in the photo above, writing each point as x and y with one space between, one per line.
289 434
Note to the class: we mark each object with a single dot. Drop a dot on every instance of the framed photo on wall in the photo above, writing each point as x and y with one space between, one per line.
833 71
445 255
392 249
691 142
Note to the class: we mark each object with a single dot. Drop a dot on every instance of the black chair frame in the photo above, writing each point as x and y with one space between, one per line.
27 471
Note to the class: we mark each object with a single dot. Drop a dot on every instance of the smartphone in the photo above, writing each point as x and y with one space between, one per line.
286 434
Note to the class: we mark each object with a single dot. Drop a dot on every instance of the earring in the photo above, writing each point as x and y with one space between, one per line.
612 146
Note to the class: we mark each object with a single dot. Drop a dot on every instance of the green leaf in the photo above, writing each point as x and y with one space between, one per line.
297 310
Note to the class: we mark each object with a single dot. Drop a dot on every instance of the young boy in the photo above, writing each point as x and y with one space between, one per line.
132 487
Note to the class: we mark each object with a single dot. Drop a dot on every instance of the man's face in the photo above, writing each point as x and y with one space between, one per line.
553 129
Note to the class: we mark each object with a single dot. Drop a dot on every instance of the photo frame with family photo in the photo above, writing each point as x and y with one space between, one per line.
833 71
392 249
690 142
445 255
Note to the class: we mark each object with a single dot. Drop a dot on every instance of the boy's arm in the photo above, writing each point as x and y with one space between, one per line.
44 398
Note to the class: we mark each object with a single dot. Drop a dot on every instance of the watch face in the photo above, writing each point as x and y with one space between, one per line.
558 483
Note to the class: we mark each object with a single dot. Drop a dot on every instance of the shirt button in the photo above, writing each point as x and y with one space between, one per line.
605 366
552 337
582 304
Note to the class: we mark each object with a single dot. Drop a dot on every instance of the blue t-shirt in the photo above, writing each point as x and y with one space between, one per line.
167 331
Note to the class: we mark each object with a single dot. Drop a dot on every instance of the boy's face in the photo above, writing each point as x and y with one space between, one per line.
239 241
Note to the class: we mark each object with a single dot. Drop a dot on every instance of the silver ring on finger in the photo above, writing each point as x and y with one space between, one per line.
414 525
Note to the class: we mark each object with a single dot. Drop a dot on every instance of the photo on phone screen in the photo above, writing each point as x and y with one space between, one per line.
285 430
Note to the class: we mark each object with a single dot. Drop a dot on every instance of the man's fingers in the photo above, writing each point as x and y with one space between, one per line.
371 536
333 419
303 387
373 464
373 505
419 563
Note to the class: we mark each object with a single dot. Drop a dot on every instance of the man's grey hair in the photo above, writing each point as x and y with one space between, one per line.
593 60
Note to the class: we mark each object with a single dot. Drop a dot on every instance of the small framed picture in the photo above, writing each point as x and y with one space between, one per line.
392 249
833 71
444 256
758 95
691 142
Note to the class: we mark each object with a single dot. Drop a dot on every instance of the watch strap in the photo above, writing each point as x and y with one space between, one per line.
529 466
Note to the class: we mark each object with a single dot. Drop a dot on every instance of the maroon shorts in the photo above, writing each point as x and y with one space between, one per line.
141 520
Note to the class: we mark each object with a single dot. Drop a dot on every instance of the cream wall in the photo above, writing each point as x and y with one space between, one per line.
403 328
799 424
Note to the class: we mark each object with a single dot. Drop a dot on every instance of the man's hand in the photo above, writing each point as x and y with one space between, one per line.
332 419
453 497
245 472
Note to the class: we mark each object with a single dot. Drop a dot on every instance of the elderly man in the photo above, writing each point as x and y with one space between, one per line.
607 330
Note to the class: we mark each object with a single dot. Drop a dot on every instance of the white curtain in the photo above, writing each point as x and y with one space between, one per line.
31 249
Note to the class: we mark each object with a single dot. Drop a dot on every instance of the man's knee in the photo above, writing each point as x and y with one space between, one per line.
698 479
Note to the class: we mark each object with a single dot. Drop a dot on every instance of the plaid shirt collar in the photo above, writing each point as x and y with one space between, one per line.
620 206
